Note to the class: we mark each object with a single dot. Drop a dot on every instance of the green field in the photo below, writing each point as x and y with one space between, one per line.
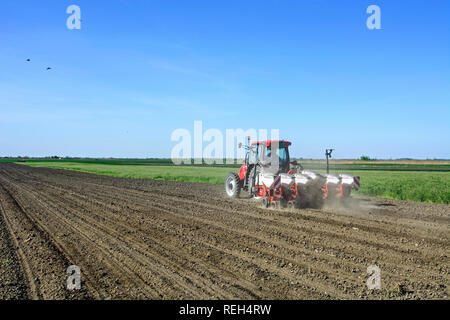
415 165
202 174
405 185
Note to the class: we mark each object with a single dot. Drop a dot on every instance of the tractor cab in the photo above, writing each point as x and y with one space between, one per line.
266 152
267 158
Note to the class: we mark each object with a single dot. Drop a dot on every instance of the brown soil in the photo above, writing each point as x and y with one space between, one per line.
145 239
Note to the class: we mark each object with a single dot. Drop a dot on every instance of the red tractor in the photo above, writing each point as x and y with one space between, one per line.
268 174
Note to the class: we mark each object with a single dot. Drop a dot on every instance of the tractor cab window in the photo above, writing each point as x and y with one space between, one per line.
282 153
252 157
261 151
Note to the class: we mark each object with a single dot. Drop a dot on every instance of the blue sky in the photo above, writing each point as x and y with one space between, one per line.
138 70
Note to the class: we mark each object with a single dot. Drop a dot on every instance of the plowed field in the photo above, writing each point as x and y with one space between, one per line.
146 239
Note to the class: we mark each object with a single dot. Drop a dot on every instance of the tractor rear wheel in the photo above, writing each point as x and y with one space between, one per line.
252 176
233 185
251 181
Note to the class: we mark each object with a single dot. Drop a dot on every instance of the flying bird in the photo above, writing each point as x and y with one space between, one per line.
28 60
48 68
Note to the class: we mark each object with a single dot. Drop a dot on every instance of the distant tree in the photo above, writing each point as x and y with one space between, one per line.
365 158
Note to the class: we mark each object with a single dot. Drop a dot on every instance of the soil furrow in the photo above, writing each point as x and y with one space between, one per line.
138 239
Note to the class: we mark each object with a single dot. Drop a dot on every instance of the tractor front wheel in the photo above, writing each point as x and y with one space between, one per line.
233 185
